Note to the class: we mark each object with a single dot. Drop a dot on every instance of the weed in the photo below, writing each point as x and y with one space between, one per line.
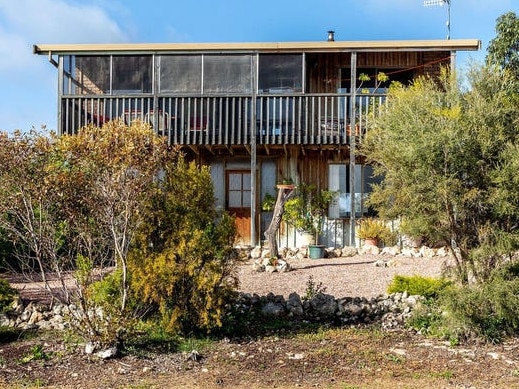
313 288
447 374
35 354
394 358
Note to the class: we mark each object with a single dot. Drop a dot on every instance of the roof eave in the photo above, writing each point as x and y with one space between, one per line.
324 46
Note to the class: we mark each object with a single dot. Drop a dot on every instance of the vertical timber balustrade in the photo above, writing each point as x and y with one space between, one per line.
311 119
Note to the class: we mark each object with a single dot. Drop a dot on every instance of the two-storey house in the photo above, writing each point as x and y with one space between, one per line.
257 113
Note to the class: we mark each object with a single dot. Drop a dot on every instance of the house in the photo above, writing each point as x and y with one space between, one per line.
257 113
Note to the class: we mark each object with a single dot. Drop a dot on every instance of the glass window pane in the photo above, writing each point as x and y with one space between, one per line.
91 75
132 74
235 199
246 200
280 73
227 73
234 181
246 181
180 73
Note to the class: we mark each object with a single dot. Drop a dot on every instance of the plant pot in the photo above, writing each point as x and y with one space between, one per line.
371 242
315 251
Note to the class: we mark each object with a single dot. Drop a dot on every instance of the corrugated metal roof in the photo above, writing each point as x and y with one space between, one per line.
318 46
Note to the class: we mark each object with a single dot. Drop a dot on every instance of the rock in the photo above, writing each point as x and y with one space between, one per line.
410 252
350 308
36 317
348 251
442 252
270 269
255 252
427 252
272 309
90 347
369 249
194 356
108 353
380 263
294 305
324 305
391 250
282 266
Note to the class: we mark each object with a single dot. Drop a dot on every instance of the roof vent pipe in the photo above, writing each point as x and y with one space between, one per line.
331 36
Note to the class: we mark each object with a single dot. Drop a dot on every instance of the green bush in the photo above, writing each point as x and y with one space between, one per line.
489 311
7 295
427 287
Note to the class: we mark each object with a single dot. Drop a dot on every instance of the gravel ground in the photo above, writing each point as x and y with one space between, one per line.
342 277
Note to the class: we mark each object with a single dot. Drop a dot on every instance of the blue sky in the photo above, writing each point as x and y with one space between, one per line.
28 82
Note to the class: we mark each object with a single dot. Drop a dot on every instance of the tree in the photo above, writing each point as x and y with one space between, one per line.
183 261
503 50
30 213
447 158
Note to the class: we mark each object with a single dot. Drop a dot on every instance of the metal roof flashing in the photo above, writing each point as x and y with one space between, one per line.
279 47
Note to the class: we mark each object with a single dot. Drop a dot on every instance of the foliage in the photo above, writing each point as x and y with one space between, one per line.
503 50
313 289
488 310
427 287
370 228
268 203
447 158
306 210
185 265
37 353
7 294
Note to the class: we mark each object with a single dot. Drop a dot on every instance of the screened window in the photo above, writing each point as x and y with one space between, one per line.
132 74
181 73
279 73
90 75
227 73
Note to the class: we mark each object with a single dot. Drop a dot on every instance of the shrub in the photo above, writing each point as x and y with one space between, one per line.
427 287
7 294
371 228
489 310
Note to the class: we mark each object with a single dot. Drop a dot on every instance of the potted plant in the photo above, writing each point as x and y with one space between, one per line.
373 231
306 212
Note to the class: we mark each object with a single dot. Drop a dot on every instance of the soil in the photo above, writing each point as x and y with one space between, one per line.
321 357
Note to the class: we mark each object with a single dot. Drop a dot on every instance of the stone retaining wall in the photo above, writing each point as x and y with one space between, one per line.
390 310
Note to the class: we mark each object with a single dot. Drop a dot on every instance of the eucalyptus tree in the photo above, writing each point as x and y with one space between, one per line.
448 158
503 50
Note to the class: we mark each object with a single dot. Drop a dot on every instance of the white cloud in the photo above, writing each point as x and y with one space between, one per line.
28 81
60 21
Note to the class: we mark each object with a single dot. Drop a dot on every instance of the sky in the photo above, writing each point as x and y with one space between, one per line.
28 82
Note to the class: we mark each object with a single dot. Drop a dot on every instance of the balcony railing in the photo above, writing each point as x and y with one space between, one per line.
230 120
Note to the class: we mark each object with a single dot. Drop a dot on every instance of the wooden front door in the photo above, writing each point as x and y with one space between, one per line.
238 202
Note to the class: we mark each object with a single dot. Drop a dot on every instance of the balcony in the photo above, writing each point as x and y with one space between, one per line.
274 119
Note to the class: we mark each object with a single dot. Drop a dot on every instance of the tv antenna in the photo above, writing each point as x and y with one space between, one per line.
432 3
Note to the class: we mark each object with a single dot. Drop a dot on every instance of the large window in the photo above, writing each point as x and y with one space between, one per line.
339 181
180 73
87 75
280 73
132 74
105 74
227 73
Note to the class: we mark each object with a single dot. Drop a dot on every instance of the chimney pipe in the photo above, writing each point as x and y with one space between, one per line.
331 36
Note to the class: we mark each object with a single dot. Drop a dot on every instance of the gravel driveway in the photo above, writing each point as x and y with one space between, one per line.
356 276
